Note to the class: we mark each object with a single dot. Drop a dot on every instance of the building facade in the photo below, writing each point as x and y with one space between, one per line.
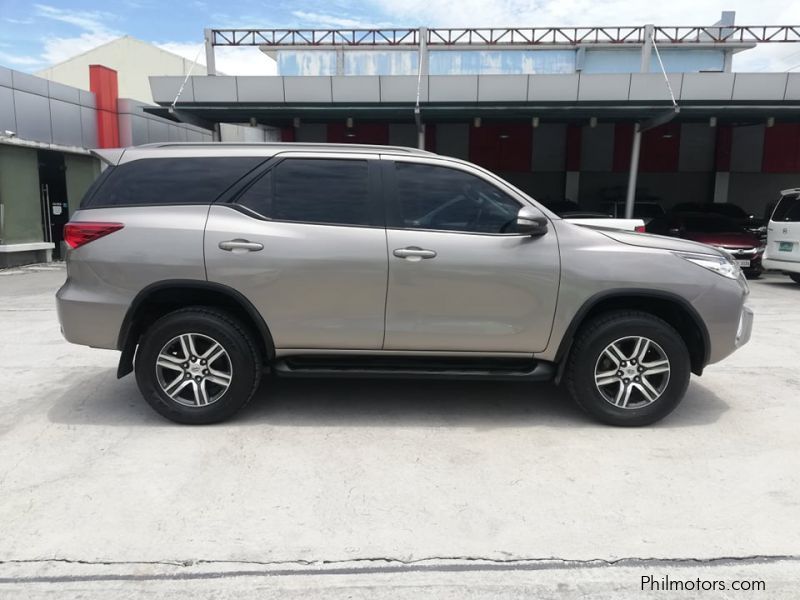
46 132
557 111
134 61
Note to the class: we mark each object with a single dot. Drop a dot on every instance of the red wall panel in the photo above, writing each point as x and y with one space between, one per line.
287 134
660 149
781 148
103 83
502 146
623 141
430 137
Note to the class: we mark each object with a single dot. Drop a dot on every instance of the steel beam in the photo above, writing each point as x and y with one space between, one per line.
509 37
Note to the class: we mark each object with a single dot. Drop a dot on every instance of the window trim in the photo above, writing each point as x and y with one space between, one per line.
375 189
394 220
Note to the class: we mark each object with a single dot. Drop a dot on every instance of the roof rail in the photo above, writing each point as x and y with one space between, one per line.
288 145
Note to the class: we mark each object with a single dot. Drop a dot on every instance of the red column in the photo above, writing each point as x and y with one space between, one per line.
103 83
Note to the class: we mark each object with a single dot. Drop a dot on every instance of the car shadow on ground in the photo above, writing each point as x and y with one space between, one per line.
98 398
777 283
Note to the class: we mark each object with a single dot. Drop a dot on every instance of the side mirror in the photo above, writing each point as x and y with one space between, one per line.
531 222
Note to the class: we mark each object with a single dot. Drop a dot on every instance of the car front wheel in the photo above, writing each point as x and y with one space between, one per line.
197 365
628 368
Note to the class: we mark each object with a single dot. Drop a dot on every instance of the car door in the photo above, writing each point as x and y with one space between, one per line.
460 278
306 244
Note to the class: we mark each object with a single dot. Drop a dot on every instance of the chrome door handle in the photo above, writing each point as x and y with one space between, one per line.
414 253
240 246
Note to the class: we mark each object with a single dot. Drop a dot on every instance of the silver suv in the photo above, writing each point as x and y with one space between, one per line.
209 265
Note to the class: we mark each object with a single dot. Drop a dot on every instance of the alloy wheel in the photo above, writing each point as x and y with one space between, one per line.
632 372
194 370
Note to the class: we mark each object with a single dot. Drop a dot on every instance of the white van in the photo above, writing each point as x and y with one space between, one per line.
783 235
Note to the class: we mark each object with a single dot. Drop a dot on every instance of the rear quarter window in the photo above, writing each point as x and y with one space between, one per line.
788 209
165 181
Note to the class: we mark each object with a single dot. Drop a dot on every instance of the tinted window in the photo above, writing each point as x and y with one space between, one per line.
96 185
313 191
169 181
788 209
446 199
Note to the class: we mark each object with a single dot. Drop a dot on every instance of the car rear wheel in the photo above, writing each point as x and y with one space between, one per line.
628 368
197 365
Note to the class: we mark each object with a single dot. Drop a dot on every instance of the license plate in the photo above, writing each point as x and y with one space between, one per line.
743 263
785 246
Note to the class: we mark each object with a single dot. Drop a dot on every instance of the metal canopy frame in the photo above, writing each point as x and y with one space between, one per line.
510 36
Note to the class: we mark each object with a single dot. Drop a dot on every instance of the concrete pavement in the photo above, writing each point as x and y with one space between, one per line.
327 473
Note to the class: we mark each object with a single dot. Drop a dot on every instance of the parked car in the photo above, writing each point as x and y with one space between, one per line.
715 230
209 265
571 211
783 235
647 210
746 221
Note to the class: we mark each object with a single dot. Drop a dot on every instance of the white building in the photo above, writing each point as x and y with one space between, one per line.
133 60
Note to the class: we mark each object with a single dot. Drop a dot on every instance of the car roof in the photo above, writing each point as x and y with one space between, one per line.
114 156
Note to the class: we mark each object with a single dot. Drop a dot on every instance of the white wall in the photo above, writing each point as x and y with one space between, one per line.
134 62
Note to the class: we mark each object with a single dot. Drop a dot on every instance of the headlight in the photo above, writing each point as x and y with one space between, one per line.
722 265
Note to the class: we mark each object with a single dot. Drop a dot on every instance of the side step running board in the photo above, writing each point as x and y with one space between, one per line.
536 371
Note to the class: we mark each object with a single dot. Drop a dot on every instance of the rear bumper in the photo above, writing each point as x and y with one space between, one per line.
87 321
793 266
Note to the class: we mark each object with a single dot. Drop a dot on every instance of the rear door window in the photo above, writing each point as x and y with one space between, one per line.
167 181
313 190
788 209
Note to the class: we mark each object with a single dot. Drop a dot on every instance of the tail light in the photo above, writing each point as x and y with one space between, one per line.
78 233
639 229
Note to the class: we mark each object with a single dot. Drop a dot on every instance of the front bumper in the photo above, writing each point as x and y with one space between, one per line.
745 326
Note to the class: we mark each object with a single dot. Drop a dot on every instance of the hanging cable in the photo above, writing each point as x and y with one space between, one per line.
185 79
663 70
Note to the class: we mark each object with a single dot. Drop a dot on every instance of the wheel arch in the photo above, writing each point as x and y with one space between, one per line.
673 309
162 297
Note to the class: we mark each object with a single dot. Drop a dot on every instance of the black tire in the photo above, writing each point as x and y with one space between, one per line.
242 357
752 274
795 277
591 342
